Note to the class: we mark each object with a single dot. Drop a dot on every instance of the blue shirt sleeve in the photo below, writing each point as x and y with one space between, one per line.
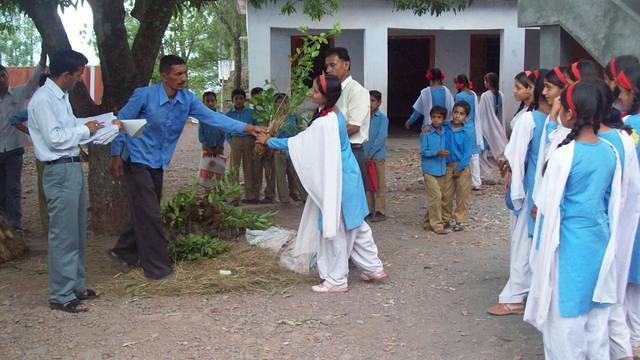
278 143
199 111
131 110
466 154
18 118
425 150
414 116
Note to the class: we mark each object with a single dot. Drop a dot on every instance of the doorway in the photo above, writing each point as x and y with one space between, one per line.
485 57
409 58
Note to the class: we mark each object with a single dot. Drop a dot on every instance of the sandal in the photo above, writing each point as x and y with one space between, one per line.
74 306
506 309
87 294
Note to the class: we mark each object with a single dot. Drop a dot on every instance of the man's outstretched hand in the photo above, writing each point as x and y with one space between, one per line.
255 130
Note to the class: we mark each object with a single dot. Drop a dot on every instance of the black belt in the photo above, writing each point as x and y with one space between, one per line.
64 160
356 146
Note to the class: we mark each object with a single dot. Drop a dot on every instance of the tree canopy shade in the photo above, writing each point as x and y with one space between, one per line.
316 9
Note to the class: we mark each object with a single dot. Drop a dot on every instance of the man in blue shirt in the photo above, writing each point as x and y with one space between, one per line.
242 145
375 150
434 152
166 107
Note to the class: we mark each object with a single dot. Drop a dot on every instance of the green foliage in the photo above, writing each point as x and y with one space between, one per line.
266 111
317 9
195 247
432 7
190 211
19 40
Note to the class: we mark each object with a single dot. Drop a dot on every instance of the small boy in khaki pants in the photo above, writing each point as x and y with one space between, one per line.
434 153
375 150
458 170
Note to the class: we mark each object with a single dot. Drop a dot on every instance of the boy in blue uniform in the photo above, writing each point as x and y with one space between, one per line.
375 150
211 138
458 171
242 145
434 153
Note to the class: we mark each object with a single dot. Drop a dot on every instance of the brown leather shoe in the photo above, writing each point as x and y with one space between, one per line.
442 231
506 309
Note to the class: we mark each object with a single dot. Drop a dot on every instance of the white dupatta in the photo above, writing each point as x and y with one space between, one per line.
316 157
427 104
542 282
516 153
491 127
629 213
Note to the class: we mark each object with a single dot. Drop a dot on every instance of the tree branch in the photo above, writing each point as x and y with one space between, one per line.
148 40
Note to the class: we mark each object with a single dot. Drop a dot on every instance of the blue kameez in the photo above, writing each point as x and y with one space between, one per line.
584 226
354 200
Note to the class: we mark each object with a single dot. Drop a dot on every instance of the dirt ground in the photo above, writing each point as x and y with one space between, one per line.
432 306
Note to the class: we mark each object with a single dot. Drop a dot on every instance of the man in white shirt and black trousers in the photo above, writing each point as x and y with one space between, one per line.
354 103
56 134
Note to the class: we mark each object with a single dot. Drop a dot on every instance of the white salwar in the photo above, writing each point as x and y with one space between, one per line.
575 338
618 329
632 305
517 287
476 180
584 336
492 130
320 173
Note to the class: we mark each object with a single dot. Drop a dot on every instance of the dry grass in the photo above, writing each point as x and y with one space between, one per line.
252 269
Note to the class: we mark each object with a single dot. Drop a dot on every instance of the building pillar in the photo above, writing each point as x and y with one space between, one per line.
376 61
511 63
553 50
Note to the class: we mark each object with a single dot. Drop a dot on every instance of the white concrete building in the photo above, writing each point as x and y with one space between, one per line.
391 51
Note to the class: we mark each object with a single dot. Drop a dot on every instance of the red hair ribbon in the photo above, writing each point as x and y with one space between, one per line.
560 75
470 84
623 81
527 73
536 73
572 106
326 111
612 68
443 76
576 71
429 75
323 83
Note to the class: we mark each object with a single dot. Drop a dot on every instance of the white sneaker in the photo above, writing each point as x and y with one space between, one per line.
377 276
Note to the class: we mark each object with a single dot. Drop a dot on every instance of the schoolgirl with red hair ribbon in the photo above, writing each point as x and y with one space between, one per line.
433 95
332 222
574 268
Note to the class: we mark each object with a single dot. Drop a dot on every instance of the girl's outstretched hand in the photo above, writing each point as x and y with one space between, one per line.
262 138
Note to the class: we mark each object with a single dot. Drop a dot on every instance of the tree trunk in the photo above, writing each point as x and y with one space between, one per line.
237 63
12 246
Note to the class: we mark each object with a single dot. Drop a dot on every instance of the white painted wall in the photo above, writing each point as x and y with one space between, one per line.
373 19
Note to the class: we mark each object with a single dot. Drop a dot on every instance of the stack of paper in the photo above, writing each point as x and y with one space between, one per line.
104 135
133 127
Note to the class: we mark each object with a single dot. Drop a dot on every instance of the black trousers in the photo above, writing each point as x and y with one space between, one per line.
10 187
358 152
145 242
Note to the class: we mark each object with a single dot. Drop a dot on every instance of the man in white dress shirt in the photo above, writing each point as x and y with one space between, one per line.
354 103
56 133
